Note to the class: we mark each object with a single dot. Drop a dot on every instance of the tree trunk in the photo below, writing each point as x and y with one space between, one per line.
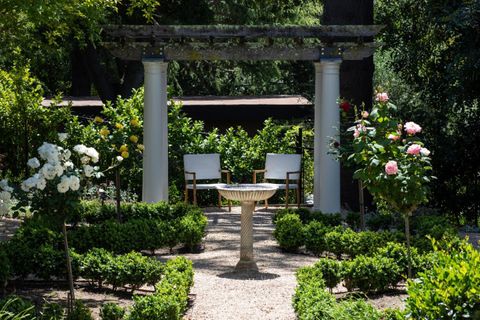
407 235
69 266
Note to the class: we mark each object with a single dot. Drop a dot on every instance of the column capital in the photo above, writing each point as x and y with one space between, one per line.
330 65
154 64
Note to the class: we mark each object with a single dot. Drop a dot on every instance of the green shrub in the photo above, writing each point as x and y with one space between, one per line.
192 229
289 232
132 269
394 314
51 311
353 220
169 302
80 312
331 270
450 289
94 265
5 267
112 311
314 233
333 241
398 252
379 221
282 212
371 273
311 303
354 309
328 219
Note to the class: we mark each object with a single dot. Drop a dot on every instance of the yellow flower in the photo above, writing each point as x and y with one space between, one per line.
98 119
134 139
104 132
123 148
140 147
125 154
134 122
119 126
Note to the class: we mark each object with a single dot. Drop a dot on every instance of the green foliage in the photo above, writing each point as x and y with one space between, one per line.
132 269
192 229
112 311
16 308
331 270
289 232
5 266
80 312
24 123
314 233
450 288
170 299
51 311
379 221
430 51
369 274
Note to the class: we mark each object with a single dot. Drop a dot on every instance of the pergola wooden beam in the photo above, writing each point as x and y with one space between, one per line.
188 52
142 32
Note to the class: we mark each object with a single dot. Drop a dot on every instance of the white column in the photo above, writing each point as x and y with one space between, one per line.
327 123
155 132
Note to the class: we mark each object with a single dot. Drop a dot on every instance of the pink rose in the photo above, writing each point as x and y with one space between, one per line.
412 128
356 133
425 152
365 114
382 97
414 149
393 137
391 167
361 127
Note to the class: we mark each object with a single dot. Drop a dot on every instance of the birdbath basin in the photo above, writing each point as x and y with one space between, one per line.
247 194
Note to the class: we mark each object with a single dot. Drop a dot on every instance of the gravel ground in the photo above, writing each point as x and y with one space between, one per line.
221 293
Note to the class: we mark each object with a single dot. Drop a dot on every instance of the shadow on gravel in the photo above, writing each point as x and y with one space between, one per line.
248 275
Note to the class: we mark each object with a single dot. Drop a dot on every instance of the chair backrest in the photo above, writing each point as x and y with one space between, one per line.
206 166
277 166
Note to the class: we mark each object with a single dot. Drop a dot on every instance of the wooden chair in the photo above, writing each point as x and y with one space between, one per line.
286 167
203 167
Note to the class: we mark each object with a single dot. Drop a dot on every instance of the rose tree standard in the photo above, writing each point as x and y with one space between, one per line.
391 160
325 46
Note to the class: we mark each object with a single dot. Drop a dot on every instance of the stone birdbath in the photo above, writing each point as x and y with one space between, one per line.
247 194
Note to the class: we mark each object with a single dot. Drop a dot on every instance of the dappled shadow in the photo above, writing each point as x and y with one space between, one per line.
248 275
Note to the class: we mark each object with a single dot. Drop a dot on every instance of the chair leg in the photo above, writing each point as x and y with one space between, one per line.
286 198
194 196
298 196
266 204
229 206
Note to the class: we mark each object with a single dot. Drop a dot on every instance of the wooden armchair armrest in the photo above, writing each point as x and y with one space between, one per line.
228 175
255 172
194 176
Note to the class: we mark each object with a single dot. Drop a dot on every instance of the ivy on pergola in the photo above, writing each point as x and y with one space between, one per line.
229 42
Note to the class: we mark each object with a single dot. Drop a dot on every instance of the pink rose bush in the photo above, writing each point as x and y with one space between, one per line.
389 156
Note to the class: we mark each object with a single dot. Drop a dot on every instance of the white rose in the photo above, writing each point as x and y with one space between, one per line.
92 153
3 183
74 183
88 170
31 182
48 171
41 184
5 196
67 154
62 188
85 159
119 158
80 149
62 136
33 163
68 165
58 170
24 187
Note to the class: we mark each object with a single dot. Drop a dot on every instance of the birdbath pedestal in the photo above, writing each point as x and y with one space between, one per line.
247 194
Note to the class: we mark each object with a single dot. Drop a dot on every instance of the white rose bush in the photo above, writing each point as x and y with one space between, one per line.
55 187
6 198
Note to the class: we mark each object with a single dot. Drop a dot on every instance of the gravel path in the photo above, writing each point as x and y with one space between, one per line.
221 293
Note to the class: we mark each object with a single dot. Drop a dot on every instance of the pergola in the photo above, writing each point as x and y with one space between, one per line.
326 46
